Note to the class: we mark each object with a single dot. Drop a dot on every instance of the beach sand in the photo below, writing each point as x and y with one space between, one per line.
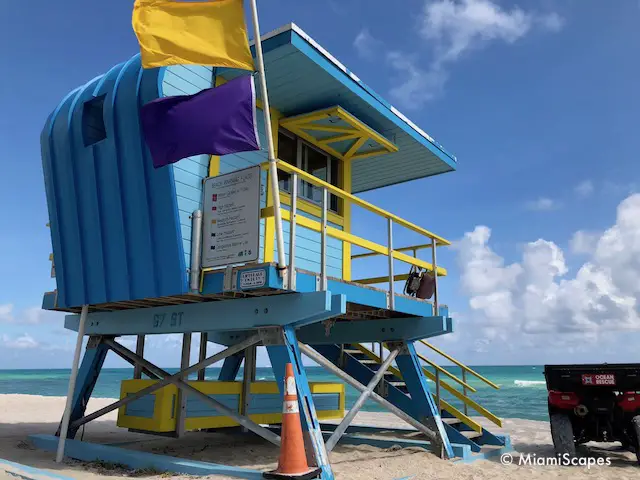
22 415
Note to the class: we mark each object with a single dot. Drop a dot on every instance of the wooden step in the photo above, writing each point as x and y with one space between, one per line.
451 421
398 384
471 434
368 361
352 351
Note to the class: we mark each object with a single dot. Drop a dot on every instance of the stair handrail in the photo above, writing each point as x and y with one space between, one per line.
445 405
460 364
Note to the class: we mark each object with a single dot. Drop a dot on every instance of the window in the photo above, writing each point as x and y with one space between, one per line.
297 152
93 129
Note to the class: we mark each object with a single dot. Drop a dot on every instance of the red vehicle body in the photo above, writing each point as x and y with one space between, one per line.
594 403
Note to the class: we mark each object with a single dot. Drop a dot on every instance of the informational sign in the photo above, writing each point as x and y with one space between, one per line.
231 218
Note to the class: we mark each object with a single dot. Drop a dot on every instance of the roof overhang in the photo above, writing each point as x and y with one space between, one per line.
302 77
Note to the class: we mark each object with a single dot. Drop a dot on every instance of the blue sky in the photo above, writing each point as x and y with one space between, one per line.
538 100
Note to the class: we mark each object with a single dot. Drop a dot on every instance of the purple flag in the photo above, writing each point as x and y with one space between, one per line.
215 121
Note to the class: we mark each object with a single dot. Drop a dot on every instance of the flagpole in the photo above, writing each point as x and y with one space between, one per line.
273 169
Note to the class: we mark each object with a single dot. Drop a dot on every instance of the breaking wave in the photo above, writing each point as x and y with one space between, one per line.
529 383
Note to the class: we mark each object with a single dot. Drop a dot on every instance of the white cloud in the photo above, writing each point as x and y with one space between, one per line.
366 45
453 28
537 294
22 342
458 26
551 21
583 242
543 204
30 316
415 85
6 313
584 189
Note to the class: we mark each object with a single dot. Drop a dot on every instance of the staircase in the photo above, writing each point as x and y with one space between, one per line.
469 439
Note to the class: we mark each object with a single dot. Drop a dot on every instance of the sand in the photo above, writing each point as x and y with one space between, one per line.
22 415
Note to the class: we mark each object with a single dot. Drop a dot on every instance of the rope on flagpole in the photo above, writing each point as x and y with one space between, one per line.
273 169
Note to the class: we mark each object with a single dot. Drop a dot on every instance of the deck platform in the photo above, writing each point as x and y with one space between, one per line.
254 280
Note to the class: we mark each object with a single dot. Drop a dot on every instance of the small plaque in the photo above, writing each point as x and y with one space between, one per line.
253 279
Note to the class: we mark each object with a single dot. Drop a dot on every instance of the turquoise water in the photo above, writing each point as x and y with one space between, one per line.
522 391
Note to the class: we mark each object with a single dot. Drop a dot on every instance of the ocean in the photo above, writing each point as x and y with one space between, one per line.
522 391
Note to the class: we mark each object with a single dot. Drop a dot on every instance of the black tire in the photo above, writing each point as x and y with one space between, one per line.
562 434
635 421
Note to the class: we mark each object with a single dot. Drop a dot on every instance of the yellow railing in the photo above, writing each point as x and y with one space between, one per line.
462 366
347 237
307 177
443 403
463 416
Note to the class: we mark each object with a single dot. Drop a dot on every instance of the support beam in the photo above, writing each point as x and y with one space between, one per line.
249 376
410 328
346 421
88 374
66 416
181 413
204 341
284 349
230 367
137 369
133 364
320 360
166 381
237 314
416 381
243 421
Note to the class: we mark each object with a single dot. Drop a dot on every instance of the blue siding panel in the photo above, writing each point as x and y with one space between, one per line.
308 248
114 221
188 173
111 200
142 407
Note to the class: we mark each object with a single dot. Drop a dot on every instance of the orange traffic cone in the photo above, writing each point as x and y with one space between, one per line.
292 463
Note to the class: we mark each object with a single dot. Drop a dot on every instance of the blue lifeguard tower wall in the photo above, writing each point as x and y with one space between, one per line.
121 230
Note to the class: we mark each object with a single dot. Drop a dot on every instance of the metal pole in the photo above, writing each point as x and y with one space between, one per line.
244 421
196 251
323 241
438 391
165 381
346 421
392 296
64 426
292 231
273 169
320 360
137 369
436 309
464 388
202 354
181 413
248 377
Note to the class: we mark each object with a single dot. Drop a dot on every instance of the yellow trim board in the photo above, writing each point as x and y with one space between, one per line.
311 208
302 124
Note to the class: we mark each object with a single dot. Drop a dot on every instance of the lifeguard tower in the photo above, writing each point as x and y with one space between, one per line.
189 249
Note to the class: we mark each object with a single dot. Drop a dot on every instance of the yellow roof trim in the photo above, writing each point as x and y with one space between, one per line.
302 124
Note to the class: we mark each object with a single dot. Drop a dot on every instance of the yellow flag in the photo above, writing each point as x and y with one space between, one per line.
197 33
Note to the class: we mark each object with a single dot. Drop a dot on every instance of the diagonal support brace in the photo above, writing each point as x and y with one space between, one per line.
166 381
182 385
346 421
320 360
